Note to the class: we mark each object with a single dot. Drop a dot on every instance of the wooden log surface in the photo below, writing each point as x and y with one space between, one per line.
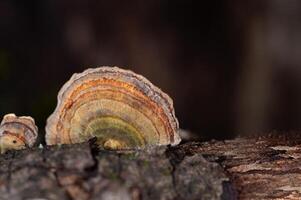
258 168
243 168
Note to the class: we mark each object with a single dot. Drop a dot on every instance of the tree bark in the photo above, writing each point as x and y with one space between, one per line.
243 168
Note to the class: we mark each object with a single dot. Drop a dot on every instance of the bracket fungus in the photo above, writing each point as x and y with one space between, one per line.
122 109
17 132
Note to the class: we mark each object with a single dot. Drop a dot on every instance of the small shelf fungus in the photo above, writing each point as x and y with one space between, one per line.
123 110
17 132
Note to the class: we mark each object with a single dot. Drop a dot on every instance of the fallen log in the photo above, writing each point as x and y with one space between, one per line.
243 168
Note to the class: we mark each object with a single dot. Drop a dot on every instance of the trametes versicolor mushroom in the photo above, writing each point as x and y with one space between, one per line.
122 109
17 132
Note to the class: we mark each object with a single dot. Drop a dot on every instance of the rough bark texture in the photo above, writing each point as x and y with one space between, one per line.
80 172
263 168
258 168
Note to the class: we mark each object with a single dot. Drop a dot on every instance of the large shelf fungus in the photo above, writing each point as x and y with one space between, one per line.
17 132
121 109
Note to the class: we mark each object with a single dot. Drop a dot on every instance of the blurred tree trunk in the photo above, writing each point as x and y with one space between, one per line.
269 83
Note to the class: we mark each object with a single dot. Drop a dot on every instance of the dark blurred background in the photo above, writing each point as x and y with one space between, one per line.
231 67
